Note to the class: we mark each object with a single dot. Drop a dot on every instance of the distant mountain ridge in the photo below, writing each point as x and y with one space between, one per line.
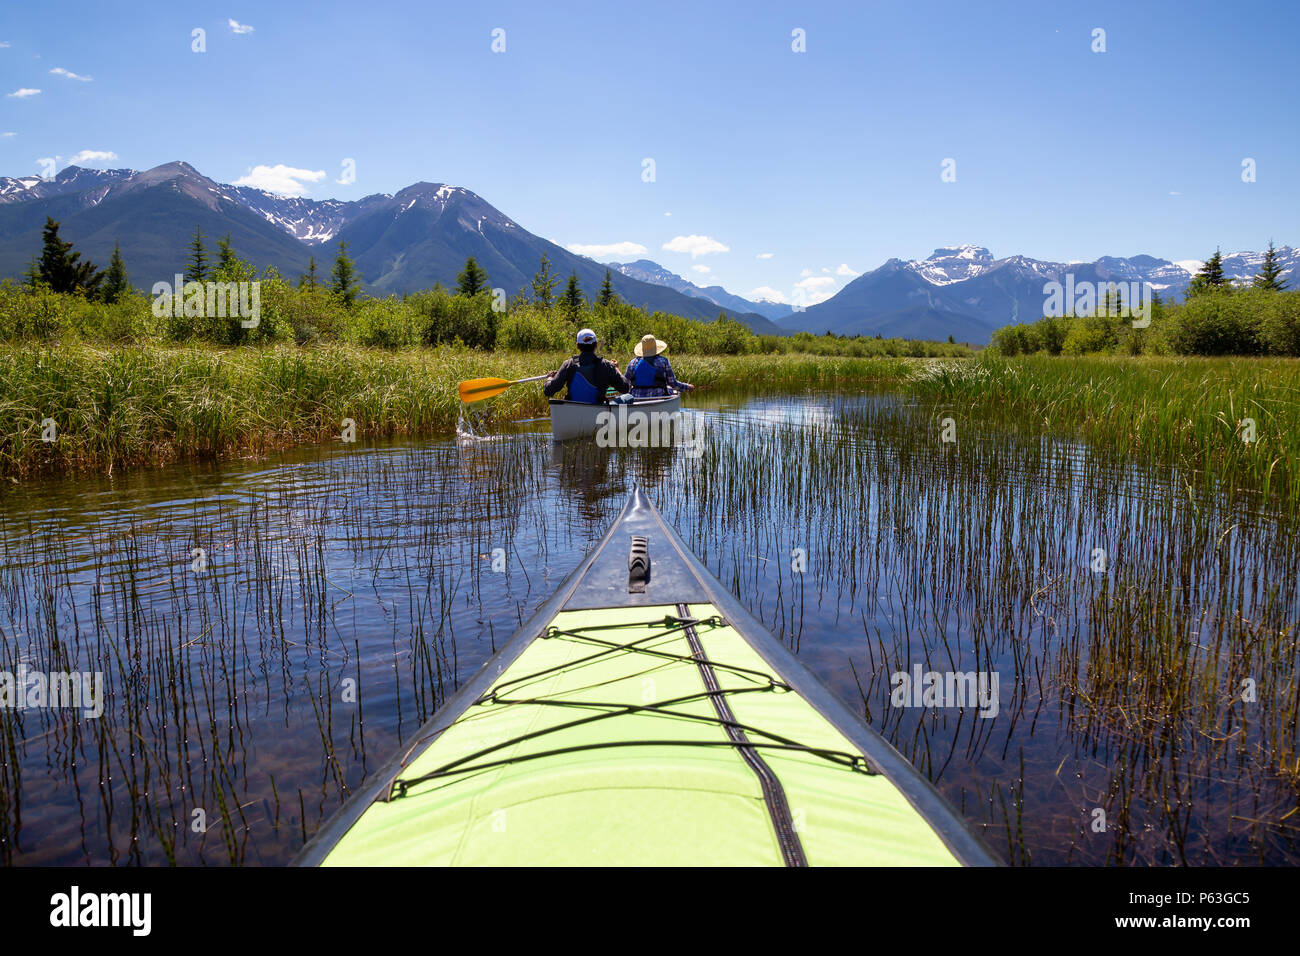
965 292
648 271
403 242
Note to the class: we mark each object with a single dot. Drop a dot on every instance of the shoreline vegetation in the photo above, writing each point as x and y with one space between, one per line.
1230 423
118 382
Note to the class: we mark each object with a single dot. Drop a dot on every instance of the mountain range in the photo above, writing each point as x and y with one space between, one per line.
648 271
400 242
965 292
422 234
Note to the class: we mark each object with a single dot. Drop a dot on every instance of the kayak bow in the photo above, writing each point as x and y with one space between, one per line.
642 716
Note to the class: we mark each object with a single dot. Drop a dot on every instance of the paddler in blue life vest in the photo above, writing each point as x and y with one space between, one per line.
587 375
650 373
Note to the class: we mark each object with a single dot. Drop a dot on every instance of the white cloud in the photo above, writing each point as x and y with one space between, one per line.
695 245
4 44
92 156
844 270
765 255
281 179
237 27
596 250
60 71
667 214
768 293
8 135
701 269
806 272
23 93
1173 193
814 289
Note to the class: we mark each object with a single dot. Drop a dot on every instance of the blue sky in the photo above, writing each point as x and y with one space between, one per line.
813 160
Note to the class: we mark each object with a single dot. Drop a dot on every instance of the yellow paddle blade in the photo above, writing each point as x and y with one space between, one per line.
477 389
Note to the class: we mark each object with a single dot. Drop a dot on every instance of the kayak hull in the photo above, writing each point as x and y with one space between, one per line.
603 733
571 420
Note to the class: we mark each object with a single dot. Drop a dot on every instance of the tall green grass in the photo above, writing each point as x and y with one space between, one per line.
1190 412
136 405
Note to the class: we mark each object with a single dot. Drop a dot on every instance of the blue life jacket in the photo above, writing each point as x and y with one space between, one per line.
649 375
581 388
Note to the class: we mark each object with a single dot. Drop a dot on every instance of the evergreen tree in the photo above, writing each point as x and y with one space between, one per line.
61 269
344 282
225 255
1270 273
1210 276
544 283
196 269
33 275
308 279
116 284
572 298
472 279
607 294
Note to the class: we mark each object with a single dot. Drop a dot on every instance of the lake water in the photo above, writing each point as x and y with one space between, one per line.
268 631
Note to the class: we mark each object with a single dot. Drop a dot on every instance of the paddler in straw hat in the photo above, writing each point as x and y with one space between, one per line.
650 373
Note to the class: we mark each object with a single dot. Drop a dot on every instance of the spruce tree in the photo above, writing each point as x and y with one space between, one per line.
1210 277
225 256
1269 276
344 282
32 276
196 270
472 279
544 283
61 269
309 277
572 298
116 284
607 294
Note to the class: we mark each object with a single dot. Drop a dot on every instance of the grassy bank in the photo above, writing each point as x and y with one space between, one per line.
1189 412
138 405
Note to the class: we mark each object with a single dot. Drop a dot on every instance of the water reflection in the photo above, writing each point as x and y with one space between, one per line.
344 592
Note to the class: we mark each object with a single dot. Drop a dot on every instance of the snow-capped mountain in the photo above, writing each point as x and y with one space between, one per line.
400 243
965 292
647 271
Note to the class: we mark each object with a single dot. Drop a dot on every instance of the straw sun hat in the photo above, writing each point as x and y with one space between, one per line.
649 347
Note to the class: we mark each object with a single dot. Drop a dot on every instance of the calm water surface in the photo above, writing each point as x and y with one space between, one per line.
269 631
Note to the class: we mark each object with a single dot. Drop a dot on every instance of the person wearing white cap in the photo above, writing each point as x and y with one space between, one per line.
587 376
650 373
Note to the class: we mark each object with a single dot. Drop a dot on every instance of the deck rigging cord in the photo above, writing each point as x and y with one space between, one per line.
673 624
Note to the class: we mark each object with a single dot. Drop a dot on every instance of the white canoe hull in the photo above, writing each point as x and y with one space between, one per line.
582 420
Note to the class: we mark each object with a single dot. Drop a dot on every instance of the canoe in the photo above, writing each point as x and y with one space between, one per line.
643 717
583 419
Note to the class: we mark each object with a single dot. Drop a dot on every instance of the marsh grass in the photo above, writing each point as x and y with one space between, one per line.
1127 690
144 405
1121 691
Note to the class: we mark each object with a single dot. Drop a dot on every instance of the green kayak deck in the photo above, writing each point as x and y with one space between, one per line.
645 719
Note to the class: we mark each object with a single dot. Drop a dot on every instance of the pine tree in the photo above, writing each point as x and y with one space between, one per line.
607 294
309 277
344 282
572 298
544 283
225 256
1210 276
472 279
1269 276
60 268
33 275
197 268
116 284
